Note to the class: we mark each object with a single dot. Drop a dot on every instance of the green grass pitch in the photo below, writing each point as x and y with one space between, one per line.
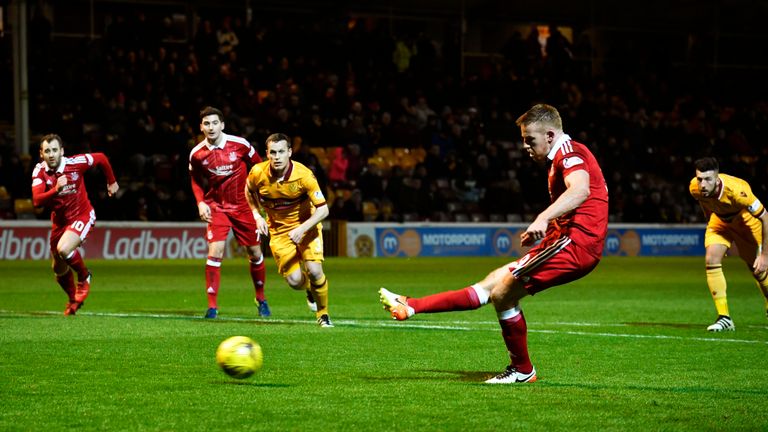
623 349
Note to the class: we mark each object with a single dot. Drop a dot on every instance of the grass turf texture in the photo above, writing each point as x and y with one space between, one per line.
623 349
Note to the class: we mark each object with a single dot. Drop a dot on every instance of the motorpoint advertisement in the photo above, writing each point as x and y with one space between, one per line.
135 240
429 240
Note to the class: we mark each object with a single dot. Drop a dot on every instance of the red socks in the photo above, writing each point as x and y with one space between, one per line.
258 275
75 261
212 279
515 334
458 300
67 283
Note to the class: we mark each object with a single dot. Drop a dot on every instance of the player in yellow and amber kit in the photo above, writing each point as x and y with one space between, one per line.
736 217
289 194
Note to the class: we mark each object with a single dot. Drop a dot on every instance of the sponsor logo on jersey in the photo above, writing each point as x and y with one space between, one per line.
223 170
572 161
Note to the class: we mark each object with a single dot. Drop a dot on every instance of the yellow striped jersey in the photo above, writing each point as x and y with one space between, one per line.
735 197
288 200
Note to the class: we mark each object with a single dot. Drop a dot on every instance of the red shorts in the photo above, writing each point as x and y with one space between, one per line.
81 226
553 263
241 222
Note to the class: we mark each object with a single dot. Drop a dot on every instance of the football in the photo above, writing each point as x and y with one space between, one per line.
239 356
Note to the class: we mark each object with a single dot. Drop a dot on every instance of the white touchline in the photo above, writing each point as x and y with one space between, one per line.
431 325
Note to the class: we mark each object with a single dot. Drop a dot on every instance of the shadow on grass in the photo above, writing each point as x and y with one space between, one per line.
478 377
441 375
247 383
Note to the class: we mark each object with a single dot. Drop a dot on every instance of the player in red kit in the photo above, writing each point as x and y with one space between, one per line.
221 162
57 183
568 238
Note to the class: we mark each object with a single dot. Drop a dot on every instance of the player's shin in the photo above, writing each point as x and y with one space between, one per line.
66 281
319 290
75 261
258 276
515 333
471 297
212 279
717 287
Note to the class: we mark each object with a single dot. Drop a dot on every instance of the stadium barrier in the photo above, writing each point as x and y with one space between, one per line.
491 239
178 240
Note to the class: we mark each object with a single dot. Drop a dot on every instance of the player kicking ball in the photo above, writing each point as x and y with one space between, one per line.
568 238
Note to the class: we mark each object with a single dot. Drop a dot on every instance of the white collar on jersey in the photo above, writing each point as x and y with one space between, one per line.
223 138
60 169
564 138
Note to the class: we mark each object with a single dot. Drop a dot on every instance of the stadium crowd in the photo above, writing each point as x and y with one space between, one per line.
388 124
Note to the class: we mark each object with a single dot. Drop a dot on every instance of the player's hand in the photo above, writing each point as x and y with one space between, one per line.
60 183
535 232
205 212
296 235
261 228
761 264
112 189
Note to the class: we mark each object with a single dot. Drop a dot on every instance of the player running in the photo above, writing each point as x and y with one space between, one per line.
735 217
221 162
57 183
290 195
569 236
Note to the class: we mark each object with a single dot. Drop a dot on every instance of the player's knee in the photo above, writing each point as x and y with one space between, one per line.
315 273
295 280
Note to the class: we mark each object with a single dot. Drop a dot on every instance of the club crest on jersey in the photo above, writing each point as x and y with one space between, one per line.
572 161
232 156
74 176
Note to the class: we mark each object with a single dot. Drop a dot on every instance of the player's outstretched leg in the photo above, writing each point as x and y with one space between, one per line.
396 304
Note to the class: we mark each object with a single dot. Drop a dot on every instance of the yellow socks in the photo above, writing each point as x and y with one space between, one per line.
717 287
319 290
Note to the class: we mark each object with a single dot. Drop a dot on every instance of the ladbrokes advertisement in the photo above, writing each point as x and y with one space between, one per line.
108 240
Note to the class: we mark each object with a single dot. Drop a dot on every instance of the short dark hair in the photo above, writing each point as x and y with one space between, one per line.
51 137
209 110
541 113
707 164
277 137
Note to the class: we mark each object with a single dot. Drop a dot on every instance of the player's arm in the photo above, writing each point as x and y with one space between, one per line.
252 196
203 210
576 192
101 161
298 233
321 209
40 196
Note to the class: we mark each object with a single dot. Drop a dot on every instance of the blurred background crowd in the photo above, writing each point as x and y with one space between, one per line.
396 125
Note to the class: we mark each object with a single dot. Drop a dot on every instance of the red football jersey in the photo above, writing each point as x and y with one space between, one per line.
72 200
225 168
587 225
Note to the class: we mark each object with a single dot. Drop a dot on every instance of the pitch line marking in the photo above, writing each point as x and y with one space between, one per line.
492 326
